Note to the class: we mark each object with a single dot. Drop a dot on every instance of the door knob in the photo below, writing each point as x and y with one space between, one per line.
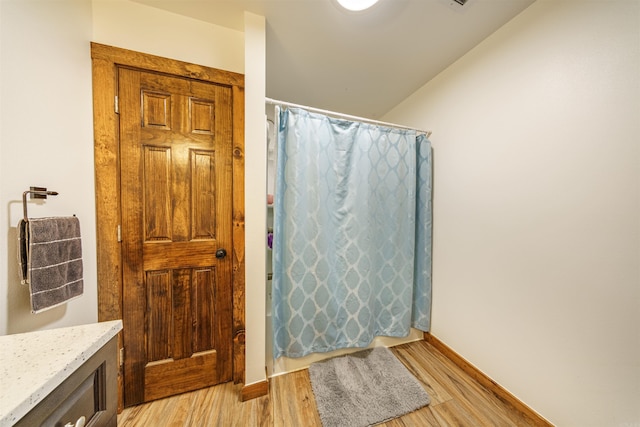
221 253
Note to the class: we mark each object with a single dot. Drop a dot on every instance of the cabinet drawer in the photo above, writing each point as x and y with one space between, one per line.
85 401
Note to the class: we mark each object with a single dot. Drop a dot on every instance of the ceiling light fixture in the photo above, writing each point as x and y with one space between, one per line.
357 5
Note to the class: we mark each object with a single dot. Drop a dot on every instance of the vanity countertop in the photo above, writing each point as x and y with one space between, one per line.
33 364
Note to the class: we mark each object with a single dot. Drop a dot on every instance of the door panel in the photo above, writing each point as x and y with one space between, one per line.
176 175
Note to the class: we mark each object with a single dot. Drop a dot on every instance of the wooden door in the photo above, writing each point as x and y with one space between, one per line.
176 183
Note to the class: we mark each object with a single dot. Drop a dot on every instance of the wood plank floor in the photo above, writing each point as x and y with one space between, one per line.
456 400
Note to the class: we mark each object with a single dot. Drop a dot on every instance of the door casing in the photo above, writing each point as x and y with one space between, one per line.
105 60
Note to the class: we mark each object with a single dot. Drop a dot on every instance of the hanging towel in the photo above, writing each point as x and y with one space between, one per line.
50 255
22 250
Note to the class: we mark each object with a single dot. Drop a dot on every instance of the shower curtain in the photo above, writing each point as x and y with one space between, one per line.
352 233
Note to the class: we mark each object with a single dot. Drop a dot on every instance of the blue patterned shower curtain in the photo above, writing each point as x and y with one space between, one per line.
352 233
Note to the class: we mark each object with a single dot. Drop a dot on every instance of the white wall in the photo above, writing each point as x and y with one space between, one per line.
255 164
537 208
134 26
46 139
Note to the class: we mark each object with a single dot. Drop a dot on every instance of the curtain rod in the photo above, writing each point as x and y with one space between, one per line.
346 116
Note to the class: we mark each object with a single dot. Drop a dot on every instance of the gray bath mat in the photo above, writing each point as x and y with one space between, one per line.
364 388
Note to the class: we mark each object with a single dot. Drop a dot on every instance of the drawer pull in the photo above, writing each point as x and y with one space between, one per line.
80 423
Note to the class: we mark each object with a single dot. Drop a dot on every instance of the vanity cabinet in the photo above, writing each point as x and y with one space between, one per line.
88 397
63 377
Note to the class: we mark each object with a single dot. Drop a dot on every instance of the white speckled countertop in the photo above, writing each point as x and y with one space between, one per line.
33 364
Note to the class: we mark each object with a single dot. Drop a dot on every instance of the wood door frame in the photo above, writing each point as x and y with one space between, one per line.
105 61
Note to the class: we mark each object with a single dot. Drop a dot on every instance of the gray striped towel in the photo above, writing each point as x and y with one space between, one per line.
51 260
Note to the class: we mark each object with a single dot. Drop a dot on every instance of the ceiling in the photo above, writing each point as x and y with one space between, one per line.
358 63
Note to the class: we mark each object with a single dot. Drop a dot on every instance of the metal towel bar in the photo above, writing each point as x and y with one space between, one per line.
35 193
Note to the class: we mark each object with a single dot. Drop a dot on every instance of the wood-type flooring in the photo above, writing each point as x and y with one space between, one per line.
456 400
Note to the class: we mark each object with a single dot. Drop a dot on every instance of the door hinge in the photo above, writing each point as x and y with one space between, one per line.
119 233
116 106
121 361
